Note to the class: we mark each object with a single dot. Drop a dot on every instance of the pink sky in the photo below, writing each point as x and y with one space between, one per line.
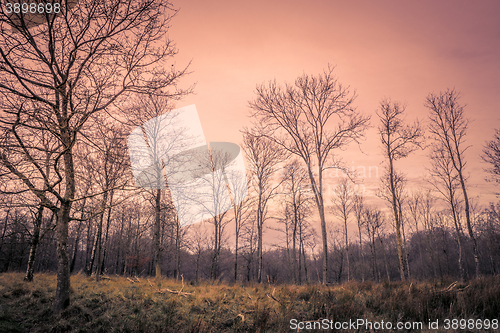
398 49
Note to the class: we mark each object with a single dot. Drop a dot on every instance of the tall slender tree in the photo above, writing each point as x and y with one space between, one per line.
446 182
310 119
398 141
357 207
343 201
296 195
263 156
448 126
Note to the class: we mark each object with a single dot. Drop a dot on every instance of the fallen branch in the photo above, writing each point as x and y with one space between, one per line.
451 286
162 291
273 298
454 287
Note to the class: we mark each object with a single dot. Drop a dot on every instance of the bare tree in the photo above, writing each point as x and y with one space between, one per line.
198 244
24 198
398 141
428 213
449 128
39 231
310 119
414 204
76 63
489 223
249 249
42 148
446 182
241 211
209 192
373 221
156 119
337 252
216 201
103 164
264 156
491 155
357 207
176 234
342 207
296 202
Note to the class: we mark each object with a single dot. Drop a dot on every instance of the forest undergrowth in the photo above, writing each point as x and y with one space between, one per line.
120 304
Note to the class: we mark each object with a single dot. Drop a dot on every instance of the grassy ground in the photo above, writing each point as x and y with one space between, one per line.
119 304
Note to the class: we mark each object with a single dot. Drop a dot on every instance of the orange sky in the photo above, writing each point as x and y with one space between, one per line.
397 49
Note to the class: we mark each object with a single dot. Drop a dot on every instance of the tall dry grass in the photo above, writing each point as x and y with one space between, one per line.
118 304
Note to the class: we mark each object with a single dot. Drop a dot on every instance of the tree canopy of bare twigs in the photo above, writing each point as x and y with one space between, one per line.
398 141
448 126
263 156
310 118
491 155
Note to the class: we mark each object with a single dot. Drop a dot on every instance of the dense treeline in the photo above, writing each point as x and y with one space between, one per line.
432 250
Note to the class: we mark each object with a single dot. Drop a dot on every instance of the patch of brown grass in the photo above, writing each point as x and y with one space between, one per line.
118 304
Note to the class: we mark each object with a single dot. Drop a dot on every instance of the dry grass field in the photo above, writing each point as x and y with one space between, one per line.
119 304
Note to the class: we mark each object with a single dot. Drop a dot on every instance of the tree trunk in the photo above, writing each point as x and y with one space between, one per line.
119 270
259 240
341 268
396 220
62 223
34 244
236 258
215 257
405 248
75 247
347 250
177 250
108 222
325 243
198 255
98 243
99 237
301 249
157 228
63 278
460 250
89 250
4 230
318 195
362 255
93 254
374 259
305 263
385 259
475 250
